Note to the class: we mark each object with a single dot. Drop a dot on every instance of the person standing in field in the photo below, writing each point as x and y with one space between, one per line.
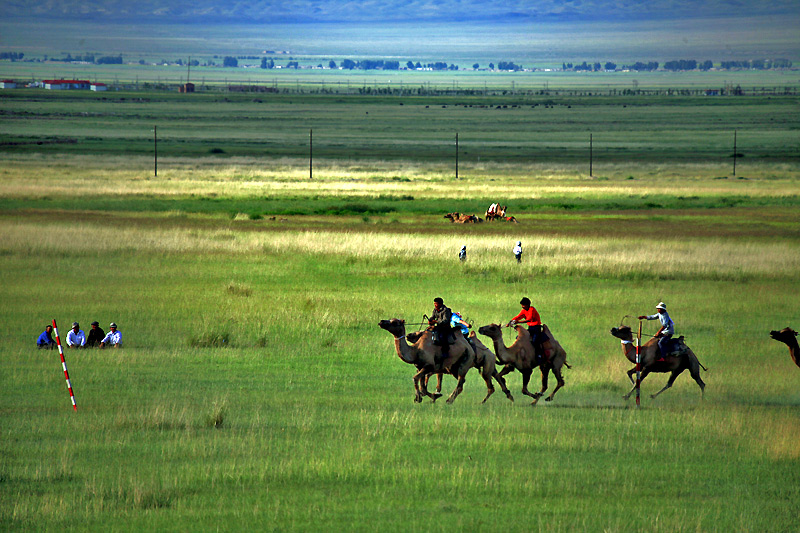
113 338
96 335
530 316
665 332
76 338
518 251
45 340
462 255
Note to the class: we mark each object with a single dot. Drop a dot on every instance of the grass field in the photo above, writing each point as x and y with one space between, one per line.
303 417
513 129
255 389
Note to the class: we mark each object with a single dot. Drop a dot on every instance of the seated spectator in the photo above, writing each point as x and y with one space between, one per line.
113 338
46 339
96 335
76 338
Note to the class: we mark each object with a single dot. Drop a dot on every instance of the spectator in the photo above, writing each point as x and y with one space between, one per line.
462 255
114 337
95 336
76 338
518 251
46 339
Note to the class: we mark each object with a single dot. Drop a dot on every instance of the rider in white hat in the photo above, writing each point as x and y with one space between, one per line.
666 330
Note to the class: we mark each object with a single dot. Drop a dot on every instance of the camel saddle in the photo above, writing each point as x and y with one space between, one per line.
437 341
677 347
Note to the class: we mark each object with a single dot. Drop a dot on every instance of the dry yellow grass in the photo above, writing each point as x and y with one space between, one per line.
614 257
64 176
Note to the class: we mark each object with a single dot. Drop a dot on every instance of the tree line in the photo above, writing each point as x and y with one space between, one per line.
680 65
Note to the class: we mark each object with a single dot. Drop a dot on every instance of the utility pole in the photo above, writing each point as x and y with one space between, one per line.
456 155
155 154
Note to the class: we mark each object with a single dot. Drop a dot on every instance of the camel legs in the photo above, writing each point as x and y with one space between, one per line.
458 389
694 370
489 387
560 383
421 386
672 377
644 375
438 381
526 377
499 378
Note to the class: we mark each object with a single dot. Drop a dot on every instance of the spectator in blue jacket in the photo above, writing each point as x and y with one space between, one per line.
46 338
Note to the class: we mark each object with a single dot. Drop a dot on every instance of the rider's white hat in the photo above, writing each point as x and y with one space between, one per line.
661 305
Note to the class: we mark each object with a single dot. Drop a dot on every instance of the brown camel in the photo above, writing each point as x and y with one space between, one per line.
422 354
499 212
463 218
676 362
788 336
520 356
485 363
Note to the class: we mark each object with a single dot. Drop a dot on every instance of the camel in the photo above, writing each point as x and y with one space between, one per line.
463 218
676 362
421 355
485 363
520 356
788 336
499 212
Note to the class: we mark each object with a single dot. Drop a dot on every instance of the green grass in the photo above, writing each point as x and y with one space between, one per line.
303 417
255 389
514 129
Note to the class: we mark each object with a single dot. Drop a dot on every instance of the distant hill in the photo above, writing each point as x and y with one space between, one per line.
491 11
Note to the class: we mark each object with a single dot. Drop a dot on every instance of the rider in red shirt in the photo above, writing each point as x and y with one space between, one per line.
530 316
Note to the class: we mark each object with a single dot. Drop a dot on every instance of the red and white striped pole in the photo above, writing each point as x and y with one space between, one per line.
64 366
638 362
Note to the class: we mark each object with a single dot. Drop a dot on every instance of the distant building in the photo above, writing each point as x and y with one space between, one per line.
66 84
99 87
187 87
8 84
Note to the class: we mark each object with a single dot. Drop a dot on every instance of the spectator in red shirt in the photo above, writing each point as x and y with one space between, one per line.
530 316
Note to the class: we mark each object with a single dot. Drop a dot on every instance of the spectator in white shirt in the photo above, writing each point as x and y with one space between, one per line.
113 337
76 338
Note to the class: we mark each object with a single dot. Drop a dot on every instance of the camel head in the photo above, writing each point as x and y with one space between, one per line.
394 326
623 333
493 331
786 335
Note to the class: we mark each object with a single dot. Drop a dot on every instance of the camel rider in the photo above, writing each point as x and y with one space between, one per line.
530 316
665 332
456 321
440 320
492 210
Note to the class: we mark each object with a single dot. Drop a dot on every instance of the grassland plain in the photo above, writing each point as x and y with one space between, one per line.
256 390
515 129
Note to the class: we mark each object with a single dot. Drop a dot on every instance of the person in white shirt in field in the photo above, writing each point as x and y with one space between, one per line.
76 338
112 338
